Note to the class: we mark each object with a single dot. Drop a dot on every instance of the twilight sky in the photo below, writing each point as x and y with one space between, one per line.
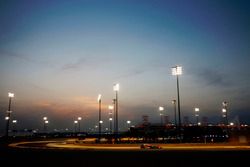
57 56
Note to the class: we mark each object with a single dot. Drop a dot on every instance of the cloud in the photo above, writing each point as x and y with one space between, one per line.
213 78
76 65
132 73
26 58
10 54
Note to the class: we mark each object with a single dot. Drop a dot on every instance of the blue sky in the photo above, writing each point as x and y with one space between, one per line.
57 56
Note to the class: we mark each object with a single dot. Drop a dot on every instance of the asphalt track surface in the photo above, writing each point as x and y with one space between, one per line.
48 153
125 147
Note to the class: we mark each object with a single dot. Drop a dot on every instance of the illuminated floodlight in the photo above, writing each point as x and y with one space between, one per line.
46 122
7 118
116 87
161 108
111 107
128 122
177 70
110 119
75 122
231 123
99 97
45 118
196 109
14 121
224 110
79 118
11 94
101 122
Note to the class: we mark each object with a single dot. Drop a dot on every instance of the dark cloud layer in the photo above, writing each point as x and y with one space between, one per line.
213 77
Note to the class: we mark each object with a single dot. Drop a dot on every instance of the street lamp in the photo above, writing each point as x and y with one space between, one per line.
111 108
174 103
79 127
44 124
197 110
177 70
128 123
99 100
116 88
14 121
75 123
225 110
110 125
7 118
161 114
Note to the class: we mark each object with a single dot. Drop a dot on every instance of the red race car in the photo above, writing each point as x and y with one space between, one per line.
150 146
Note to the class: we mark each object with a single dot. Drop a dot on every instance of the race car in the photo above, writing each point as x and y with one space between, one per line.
150 146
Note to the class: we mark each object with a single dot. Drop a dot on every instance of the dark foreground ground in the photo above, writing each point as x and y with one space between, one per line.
90 158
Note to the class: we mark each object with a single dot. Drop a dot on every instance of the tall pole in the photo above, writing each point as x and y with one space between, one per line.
177 70
79 124
197 110
128 123
111 108
116 113
8 119
100 125
114 117
110 125
161 114
45 122
75 125
100 118
116 89
224 111
14 127
179 108
174 103
8 115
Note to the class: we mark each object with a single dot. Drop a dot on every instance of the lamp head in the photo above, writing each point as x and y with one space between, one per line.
196 109
11 94
111 107
161 108
99 98
177 70
116 87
